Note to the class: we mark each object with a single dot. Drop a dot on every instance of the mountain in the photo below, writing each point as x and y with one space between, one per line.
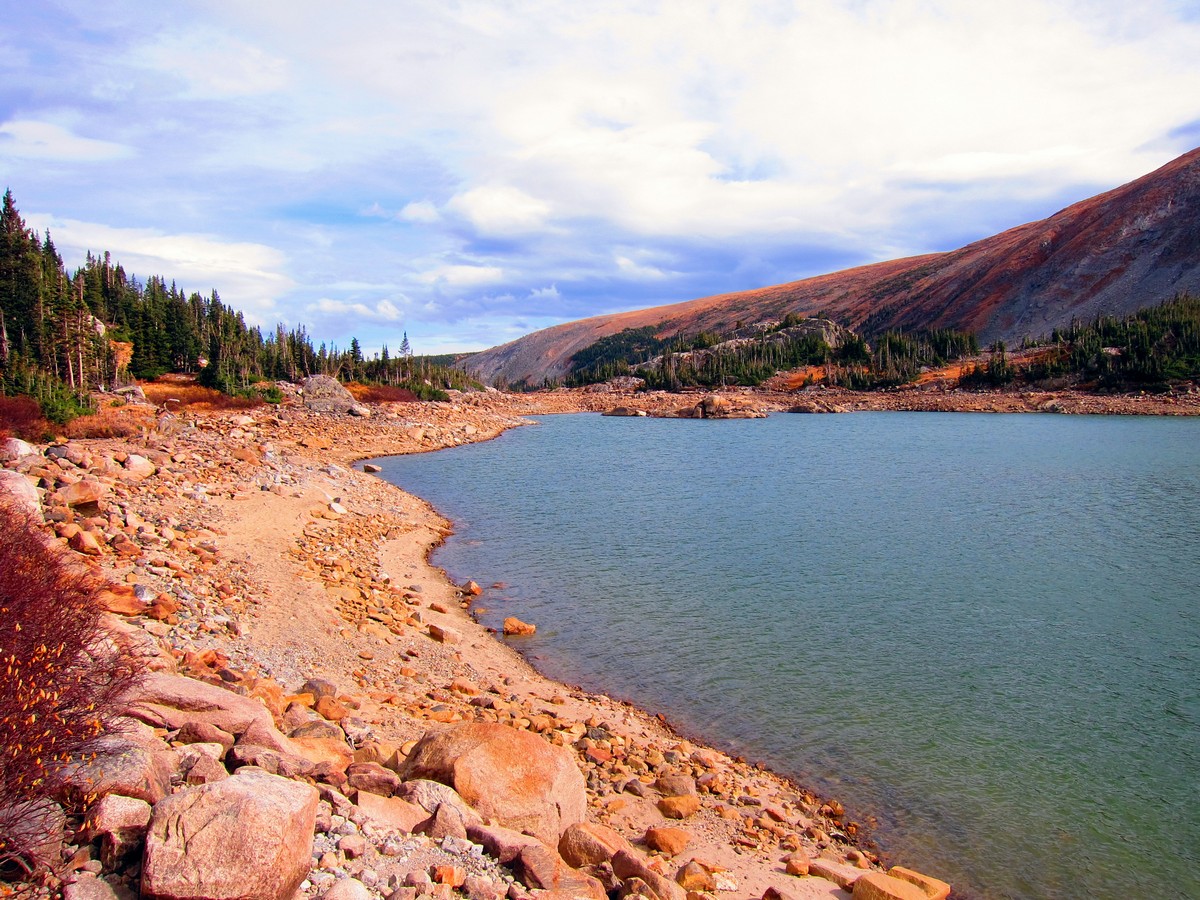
1112 254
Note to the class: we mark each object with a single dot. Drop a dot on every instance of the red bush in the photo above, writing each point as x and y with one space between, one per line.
63 678
381 393
22 416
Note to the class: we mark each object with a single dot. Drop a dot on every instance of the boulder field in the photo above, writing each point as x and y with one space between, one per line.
320 715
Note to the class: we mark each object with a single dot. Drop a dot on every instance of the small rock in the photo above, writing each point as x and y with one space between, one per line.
348 889
695 877
454 876
671 841
679 807
796 864
444 635
353 845
515 627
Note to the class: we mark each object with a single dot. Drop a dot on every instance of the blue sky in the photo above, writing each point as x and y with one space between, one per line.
472 171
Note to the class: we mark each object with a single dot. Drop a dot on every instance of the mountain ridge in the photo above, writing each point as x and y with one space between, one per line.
1110 254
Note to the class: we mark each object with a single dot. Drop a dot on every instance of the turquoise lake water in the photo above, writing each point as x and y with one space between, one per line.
984 630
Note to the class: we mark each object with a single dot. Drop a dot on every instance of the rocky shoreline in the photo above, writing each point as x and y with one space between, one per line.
299 648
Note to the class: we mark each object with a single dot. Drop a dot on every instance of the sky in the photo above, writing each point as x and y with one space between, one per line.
468 172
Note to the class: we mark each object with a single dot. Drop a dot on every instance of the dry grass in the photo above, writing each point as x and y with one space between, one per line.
380 393
175 392
115 419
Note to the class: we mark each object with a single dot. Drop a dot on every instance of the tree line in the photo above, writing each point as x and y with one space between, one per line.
707 359
1147 350
65 334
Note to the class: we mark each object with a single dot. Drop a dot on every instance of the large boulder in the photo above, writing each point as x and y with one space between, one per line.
325 394
85 492
15 448
131 765
513 777
248 837
20 491
172 701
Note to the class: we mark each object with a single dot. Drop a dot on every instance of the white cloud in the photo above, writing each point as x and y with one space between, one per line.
637 271
545 293
420 211
33 139
213 64
462 275
499 209
382 311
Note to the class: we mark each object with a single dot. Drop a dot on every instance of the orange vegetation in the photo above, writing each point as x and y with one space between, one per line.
114 419
380 393
174 392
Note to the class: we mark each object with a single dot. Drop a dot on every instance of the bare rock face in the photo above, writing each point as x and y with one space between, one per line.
248 837
541 868
513 777
391 812
325 394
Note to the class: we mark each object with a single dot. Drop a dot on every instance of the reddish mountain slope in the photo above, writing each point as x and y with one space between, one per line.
1112 254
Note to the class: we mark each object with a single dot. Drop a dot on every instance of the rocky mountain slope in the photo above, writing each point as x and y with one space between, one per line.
1111 254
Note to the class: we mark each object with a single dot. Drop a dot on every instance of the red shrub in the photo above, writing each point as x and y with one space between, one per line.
381 393
63 677
22 416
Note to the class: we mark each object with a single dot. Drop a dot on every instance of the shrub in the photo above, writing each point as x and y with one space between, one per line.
63 676
117 419
380 393
22 417
185 392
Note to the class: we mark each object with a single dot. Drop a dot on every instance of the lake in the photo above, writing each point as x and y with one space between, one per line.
981 629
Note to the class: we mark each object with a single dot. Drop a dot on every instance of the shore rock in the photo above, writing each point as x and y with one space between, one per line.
877 886
934 889
624 411
515 627
516 778
249 837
